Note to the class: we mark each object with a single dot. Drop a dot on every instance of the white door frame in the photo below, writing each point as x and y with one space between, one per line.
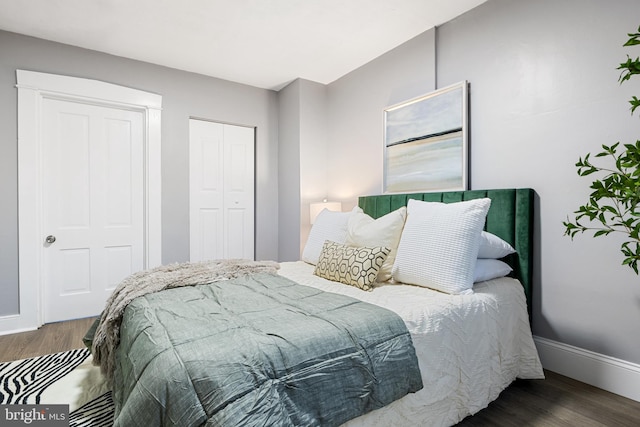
33 87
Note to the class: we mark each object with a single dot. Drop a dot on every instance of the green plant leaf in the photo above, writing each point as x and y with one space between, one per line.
615 197
635 102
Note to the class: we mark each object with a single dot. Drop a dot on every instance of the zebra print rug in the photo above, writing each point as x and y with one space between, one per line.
60 378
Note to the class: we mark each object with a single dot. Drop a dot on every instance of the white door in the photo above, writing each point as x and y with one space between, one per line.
239 186
93 195
221 190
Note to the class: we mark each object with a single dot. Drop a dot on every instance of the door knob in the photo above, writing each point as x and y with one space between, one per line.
50 239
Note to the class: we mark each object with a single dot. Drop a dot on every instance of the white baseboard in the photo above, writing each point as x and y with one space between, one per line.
15 323
605 372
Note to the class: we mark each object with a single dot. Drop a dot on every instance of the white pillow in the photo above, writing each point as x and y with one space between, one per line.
329 225
487 269
491 246
439 244
362 230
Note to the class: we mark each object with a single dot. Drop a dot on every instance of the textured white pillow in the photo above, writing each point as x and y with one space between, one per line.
487 269
491 246
439 244
384 231
329 225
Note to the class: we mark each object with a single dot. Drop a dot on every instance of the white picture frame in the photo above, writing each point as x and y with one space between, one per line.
426 142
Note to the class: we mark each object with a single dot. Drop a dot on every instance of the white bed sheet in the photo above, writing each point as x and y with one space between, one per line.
469 347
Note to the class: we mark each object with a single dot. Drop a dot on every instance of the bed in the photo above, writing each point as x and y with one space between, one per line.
468 345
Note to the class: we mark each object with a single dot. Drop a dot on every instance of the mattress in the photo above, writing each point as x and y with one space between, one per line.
469 347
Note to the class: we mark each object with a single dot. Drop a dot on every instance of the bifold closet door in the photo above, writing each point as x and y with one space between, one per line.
221 211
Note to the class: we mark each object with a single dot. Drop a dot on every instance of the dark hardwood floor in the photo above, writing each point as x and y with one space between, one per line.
554 401
50 338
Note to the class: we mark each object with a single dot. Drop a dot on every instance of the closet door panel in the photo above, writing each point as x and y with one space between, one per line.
239 191
222 190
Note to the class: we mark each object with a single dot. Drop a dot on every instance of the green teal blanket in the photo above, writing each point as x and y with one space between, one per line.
258 350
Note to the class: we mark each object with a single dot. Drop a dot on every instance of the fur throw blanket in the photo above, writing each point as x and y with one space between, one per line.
107 336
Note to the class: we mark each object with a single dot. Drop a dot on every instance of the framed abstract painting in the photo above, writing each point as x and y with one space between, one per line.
426 142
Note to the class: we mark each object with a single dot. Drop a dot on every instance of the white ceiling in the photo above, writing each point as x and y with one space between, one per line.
263 43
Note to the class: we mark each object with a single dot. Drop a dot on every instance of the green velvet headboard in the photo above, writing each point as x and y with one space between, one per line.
510 217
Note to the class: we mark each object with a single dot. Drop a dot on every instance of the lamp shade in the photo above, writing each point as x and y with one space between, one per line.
316 208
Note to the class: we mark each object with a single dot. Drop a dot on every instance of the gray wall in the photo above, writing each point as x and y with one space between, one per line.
184 95
355 105
289 171
544 91
313 153
302 161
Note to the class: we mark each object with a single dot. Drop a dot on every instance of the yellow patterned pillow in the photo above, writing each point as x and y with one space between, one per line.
350 265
